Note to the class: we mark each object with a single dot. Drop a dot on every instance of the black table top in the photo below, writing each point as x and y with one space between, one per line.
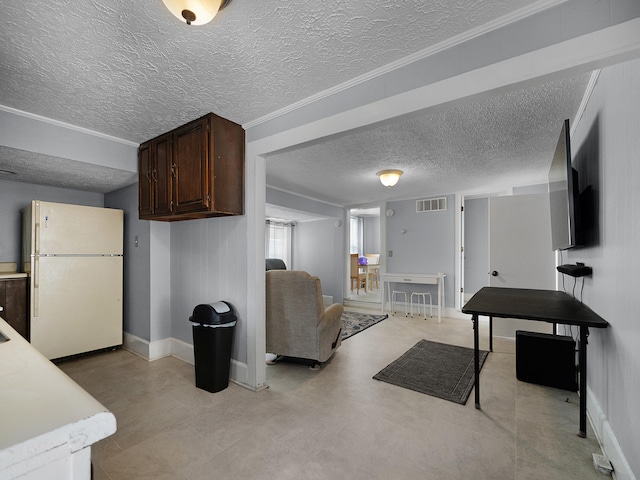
543 305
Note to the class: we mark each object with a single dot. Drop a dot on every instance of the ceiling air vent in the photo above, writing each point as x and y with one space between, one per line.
431 205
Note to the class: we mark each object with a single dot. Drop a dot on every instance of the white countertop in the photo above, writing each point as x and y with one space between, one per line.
10 275
44 415
9 270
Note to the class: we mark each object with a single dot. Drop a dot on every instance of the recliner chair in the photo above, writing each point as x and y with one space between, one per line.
298 325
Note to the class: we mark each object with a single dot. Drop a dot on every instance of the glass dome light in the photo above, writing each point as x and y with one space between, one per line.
195 12
389 178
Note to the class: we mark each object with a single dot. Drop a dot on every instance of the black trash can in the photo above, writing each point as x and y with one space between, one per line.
213 326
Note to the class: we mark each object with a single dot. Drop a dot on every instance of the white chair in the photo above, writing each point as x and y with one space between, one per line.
393 302
423 296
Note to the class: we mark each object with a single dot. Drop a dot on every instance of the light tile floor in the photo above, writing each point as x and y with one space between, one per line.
336 422
372 297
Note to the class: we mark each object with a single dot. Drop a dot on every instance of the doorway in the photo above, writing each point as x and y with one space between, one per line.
507 243
475 246
365 247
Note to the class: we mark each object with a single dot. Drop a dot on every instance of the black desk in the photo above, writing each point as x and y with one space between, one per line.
540 305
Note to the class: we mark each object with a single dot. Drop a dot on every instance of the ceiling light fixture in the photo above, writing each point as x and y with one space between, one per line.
195 12
389 178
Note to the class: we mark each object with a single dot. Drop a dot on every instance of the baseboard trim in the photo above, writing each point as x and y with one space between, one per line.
160 349
181 350
136 345
607 439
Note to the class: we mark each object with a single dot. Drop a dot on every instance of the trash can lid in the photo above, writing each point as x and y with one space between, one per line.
213 313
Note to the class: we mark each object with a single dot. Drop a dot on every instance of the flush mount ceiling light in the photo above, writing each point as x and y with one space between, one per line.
195 12
389 178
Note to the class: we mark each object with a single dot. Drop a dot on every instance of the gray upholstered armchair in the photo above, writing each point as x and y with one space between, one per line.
298 325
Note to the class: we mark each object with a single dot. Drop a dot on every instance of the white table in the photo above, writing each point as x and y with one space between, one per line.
419 278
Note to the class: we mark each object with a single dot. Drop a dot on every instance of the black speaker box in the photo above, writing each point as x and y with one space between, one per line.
546 359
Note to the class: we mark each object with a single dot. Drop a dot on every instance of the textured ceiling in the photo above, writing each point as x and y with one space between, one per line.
507 140
30 167
129 69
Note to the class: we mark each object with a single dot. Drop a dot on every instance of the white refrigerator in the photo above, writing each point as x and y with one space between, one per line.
74 256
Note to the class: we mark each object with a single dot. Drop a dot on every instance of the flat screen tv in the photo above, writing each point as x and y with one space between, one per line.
563 195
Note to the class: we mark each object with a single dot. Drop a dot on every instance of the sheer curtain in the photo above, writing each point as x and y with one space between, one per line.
278 241
356 235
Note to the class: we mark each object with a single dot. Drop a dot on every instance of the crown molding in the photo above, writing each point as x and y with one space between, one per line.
68 126
593 81
290 192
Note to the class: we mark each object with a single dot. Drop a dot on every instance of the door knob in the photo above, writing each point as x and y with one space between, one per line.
494 273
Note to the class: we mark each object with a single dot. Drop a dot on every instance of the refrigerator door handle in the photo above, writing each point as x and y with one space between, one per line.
36 246
36 286
36 228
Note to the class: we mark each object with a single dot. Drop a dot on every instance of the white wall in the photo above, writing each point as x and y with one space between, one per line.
318 245
160 293
137 263
426 246
609 135
371 235
320 250
208 264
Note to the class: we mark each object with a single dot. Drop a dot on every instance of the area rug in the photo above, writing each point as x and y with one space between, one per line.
437 369
353 322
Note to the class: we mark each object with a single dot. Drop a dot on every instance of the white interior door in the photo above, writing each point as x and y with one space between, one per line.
520 254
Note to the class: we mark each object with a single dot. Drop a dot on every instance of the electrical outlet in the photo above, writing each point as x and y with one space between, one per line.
390 253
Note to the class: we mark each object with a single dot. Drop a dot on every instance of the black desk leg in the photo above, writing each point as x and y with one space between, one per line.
582 359
476 358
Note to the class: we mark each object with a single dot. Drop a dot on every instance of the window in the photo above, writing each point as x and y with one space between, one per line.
356 235
278 241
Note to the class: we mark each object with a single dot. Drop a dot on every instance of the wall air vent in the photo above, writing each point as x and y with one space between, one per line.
431 205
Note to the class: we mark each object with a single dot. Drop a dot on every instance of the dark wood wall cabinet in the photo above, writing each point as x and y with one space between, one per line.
194 171
13 299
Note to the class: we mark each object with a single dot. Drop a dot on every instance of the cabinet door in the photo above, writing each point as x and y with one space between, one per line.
191 166
162 177
13 297
145 180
